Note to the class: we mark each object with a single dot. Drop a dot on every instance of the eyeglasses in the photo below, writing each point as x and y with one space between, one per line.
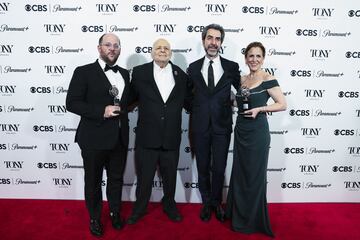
109 45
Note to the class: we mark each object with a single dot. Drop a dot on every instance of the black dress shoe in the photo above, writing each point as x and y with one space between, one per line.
219 213
205 213
96 228
173 215
134 218
116 221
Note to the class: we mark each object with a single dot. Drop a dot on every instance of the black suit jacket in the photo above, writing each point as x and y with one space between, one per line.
212 110
159 122
87 96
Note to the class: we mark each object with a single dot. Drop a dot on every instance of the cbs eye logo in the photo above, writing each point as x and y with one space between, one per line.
353 13
190 28
348 94
187 149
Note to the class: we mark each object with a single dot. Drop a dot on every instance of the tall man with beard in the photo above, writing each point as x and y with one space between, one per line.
211 118
98 94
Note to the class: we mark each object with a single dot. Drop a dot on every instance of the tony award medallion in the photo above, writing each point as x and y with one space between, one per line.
245 94
114 92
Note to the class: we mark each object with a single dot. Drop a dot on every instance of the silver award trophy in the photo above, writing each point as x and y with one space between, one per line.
245 94
114 92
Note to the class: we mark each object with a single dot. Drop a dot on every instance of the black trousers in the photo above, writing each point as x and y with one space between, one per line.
211 152
95 161
146 160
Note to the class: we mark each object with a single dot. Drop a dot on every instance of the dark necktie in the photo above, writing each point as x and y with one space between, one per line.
113 68
211 83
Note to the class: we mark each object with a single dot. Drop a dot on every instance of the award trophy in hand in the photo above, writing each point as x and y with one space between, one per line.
114 92
245 94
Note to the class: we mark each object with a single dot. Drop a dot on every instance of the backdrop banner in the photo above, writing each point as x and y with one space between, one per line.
312 48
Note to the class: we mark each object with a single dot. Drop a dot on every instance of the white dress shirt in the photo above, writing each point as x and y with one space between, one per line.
115 79
218 70
164 79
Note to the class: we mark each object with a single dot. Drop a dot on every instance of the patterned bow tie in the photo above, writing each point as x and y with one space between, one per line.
114 68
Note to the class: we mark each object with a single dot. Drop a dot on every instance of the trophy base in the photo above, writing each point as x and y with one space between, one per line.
244 114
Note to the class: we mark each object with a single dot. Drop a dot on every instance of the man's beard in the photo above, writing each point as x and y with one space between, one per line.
108 60
211 53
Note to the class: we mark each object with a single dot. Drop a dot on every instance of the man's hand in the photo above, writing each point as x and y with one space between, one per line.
111 111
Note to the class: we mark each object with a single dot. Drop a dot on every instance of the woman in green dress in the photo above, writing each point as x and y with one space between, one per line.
246 200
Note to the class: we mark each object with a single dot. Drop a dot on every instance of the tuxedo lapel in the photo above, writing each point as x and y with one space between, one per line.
100 78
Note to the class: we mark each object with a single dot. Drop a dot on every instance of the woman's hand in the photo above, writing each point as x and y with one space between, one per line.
253 112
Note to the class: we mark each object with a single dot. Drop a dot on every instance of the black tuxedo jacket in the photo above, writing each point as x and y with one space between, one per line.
159 122
87 96
212 110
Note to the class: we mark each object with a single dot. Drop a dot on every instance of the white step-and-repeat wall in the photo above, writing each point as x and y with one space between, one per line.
312 49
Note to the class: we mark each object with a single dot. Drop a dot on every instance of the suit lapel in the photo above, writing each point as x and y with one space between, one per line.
177 80
151 78
198 75
224 77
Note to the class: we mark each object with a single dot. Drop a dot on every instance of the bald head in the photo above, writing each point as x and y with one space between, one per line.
161 52
109 48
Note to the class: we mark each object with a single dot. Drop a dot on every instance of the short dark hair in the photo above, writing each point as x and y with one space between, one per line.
101 38
216 27
255 44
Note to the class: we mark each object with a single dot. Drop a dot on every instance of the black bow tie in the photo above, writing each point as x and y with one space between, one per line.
114 68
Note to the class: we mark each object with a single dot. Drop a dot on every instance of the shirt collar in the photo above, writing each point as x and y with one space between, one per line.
157 68
216 60
102 63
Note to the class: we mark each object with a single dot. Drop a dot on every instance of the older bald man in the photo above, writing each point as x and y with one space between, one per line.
160 89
